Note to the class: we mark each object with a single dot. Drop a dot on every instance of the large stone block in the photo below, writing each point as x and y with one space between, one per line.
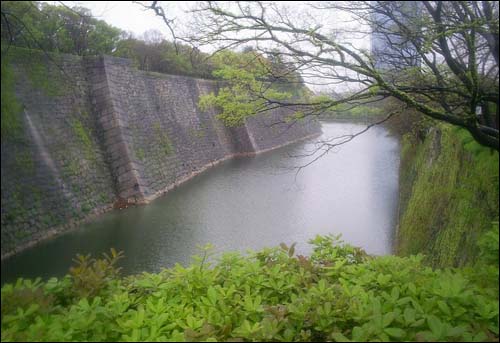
143 134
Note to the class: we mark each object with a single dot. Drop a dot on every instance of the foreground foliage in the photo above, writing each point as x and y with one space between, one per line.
339 294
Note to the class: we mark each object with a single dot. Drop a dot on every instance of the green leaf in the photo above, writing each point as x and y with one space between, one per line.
358 334
395 332
403 301
435 325
444 307
418 323
409 315
322 285
32 309
212 295
412 288
480 337
395 293
456 332
383 279
338 337
388 319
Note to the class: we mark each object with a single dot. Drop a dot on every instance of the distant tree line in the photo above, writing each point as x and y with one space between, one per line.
61 29
73 30
36 25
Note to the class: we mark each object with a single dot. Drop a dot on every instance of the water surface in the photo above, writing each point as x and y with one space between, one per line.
246 203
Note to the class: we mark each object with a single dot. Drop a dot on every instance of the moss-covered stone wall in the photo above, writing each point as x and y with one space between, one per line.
53 167
80 136
449 195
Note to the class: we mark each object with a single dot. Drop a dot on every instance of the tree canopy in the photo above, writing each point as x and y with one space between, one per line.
36 25
73 30
152 52
438 58
441 60
249 78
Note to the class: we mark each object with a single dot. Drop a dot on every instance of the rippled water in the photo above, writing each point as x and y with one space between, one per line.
246 203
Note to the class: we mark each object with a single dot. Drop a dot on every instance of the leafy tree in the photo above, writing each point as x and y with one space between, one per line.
444 54
52 28
245 86
62 29
154 53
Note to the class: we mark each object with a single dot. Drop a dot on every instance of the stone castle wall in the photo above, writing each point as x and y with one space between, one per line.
97 131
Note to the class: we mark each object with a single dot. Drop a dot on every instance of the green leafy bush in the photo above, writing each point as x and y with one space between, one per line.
91 275
338 294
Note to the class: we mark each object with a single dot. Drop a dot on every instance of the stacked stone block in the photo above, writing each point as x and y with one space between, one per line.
113 135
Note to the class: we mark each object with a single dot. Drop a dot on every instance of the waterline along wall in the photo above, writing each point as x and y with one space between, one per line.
87 134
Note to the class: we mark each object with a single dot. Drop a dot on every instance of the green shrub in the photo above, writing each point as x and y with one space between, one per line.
337 294
90 276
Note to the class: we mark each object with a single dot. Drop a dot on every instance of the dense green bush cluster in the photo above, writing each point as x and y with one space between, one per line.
339 294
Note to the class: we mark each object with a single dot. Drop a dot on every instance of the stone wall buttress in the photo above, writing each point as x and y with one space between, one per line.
112 134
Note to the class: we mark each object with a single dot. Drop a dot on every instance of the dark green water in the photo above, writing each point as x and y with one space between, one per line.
246 203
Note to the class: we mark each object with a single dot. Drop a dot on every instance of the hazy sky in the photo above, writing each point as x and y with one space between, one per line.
129 16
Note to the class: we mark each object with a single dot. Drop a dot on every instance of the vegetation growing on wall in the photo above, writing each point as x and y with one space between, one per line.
41 78
11 121
139 152
84 139
165 144
338 294
42 69
24 161
449 187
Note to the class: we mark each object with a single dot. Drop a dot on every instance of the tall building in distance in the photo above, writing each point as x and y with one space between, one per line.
392 49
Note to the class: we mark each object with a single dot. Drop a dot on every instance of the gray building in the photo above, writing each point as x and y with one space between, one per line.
392 49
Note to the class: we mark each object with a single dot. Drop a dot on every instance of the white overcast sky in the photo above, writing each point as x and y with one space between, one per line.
131 17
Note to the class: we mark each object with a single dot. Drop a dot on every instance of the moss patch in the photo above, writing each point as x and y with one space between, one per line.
11 121
449 187
165 142
24 161
42 69
140 154
83 137
197 133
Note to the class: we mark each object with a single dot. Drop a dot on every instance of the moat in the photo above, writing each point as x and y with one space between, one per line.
246 203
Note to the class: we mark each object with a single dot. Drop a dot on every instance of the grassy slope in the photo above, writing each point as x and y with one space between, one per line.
449 187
